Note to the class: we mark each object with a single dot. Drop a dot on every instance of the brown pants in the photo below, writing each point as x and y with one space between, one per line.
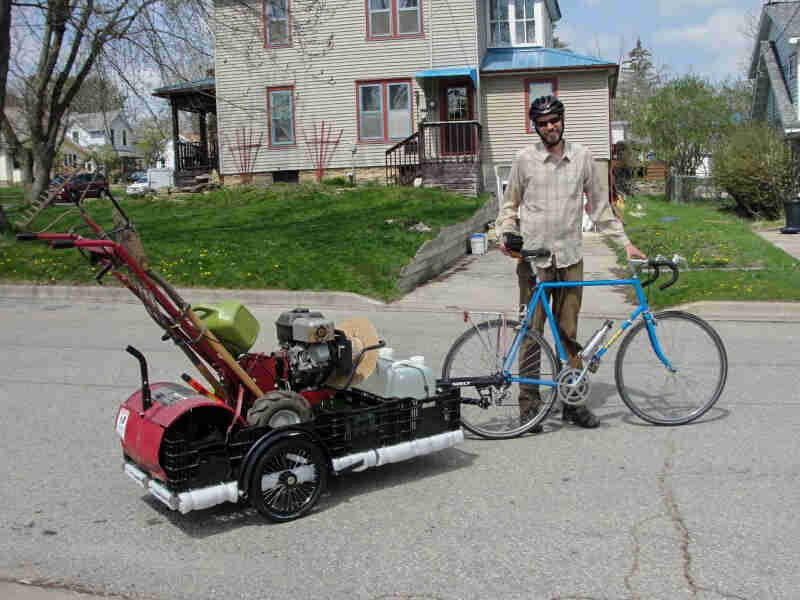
566 305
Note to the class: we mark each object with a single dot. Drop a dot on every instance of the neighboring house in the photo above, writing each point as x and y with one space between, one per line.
10 163
73 157
167 158
773 67
94 130
417 89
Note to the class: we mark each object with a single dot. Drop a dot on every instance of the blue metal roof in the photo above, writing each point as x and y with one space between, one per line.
517 59
450 72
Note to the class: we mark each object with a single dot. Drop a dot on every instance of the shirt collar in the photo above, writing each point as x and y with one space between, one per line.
543 154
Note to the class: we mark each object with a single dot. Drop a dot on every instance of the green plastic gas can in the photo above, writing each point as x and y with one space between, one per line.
231 322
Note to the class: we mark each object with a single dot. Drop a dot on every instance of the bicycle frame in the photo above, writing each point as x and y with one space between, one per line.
540 296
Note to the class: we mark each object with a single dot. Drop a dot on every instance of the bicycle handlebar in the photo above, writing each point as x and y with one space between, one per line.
535 253
655 264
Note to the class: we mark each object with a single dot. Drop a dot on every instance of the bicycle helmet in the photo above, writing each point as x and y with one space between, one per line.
544 106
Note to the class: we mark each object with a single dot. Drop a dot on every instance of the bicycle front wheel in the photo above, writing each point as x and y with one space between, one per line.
493 411
657 394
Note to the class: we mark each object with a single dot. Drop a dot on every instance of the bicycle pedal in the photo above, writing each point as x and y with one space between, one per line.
594 366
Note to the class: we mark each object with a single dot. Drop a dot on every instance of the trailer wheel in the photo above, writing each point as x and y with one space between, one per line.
288 479
279 408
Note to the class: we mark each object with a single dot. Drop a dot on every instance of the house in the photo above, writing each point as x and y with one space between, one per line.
93 131
11 163
773 68
416 88
72 156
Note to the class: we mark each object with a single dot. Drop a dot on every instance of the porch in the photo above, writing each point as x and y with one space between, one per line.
443 153
193 160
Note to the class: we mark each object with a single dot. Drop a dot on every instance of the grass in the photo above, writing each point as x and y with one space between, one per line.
727 260
294 237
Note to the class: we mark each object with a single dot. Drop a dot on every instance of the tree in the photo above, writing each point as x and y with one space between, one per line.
151 139
128 42
98 93
684 119
638 79
5 53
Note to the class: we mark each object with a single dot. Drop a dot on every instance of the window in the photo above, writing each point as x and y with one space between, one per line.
535 88
75 136
384 110
280 107
511 23
276 23
393 18
112 136
124 137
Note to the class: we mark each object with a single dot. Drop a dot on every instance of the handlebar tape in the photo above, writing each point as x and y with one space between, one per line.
26 236
61 244
656 273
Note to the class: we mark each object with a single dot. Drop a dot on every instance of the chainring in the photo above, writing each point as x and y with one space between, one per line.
570 392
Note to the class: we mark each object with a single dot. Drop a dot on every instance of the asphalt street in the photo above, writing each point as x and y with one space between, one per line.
629 511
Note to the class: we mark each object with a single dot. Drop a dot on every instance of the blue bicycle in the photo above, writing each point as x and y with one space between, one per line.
670 369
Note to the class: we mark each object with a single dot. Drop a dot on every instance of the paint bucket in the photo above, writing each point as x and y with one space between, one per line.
478 243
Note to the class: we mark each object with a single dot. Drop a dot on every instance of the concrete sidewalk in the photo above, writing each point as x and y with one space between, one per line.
475 282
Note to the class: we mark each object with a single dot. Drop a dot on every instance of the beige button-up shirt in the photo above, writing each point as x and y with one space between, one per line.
548 191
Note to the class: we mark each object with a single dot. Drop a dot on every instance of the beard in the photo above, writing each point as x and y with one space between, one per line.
552 138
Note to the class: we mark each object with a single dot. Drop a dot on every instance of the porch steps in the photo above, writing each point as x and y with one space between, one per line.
462 178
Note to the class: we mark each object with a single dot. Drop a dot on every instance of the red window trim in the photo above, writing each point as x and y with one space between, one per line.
270 145
288 26
528 82
394 35
384 83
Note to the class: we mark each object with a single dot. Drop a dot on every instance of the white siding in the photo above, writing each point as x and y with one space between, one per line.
325 87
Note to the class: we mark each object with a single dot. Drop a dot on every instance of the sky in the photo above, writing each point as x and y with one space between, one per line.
702 37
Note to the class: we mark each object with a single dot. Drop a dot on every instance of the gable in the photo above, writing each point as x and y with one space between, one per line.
778 22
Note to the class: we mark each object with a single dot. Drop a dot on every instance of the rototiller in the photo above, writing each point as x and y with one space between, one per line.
267 429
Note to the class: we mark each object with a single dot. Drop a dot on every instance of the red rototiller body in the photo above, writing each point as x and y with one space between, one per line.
268 429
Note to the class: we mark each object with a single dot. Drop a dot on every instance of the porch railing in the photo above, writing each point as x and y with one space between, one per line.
435 142
450 141
402 161
192 155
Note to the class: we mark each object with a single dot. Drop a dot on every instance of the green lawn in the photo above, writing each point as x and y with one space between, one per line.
308 237
726 259
295 237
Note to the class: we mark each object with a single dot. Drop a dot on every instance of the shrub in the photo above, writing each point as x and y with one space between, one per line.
754 166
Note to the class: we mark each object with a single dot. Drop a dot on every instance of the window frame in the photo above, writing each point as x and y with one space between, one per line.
289 37
384 86
394 19
511 19
527 82
293 144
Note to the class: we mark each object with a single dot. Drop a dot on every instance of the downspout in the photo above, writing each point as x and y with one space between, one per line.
794 42
430 36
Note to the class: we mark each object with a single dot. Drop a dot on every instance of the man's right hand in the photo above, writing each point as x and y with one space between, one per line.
508 252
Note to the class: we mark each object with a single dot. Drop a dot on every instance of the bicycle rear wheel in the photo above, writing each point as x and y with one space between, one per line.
492 411
660 396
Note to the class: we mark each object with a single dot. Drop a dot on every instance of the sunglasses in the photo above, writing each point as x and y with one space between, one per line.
542 123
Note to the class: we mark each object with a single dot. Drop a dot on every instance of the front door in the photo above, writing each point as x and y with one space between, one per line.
457 105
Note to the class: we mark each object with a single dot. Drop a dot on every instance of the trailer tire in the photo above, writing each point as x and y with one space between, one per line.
288 479
279 408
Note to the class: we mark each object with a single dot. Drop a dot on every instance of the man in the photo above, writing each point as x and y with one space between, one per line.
545 188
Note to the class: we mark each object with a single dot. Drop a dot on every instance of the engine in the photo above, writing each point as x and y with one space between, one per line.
314 348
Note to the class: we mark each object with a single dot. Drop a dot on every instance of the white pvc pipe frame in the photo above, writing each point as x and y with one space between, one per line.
207 497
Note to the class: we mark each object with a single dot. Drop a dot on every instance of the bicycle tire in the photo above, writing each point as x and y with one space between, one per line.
479 351
659 396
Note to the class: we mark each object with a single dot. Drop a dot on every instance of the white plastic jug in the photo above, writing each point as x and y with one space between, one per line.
400 379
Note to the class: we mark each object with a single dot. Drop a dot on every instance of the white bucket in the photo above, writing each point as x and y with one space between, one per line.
478 243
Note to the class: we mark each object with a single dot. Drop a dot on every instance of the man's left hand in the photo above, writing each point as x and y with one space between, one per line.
633 252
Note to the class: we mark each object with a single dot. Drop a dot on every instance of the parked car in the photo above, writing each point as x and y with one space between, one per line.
93 183
139 186
137 176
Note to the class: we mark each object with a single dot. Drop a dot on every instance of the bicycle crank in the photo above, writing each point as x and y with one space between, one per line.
573 390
